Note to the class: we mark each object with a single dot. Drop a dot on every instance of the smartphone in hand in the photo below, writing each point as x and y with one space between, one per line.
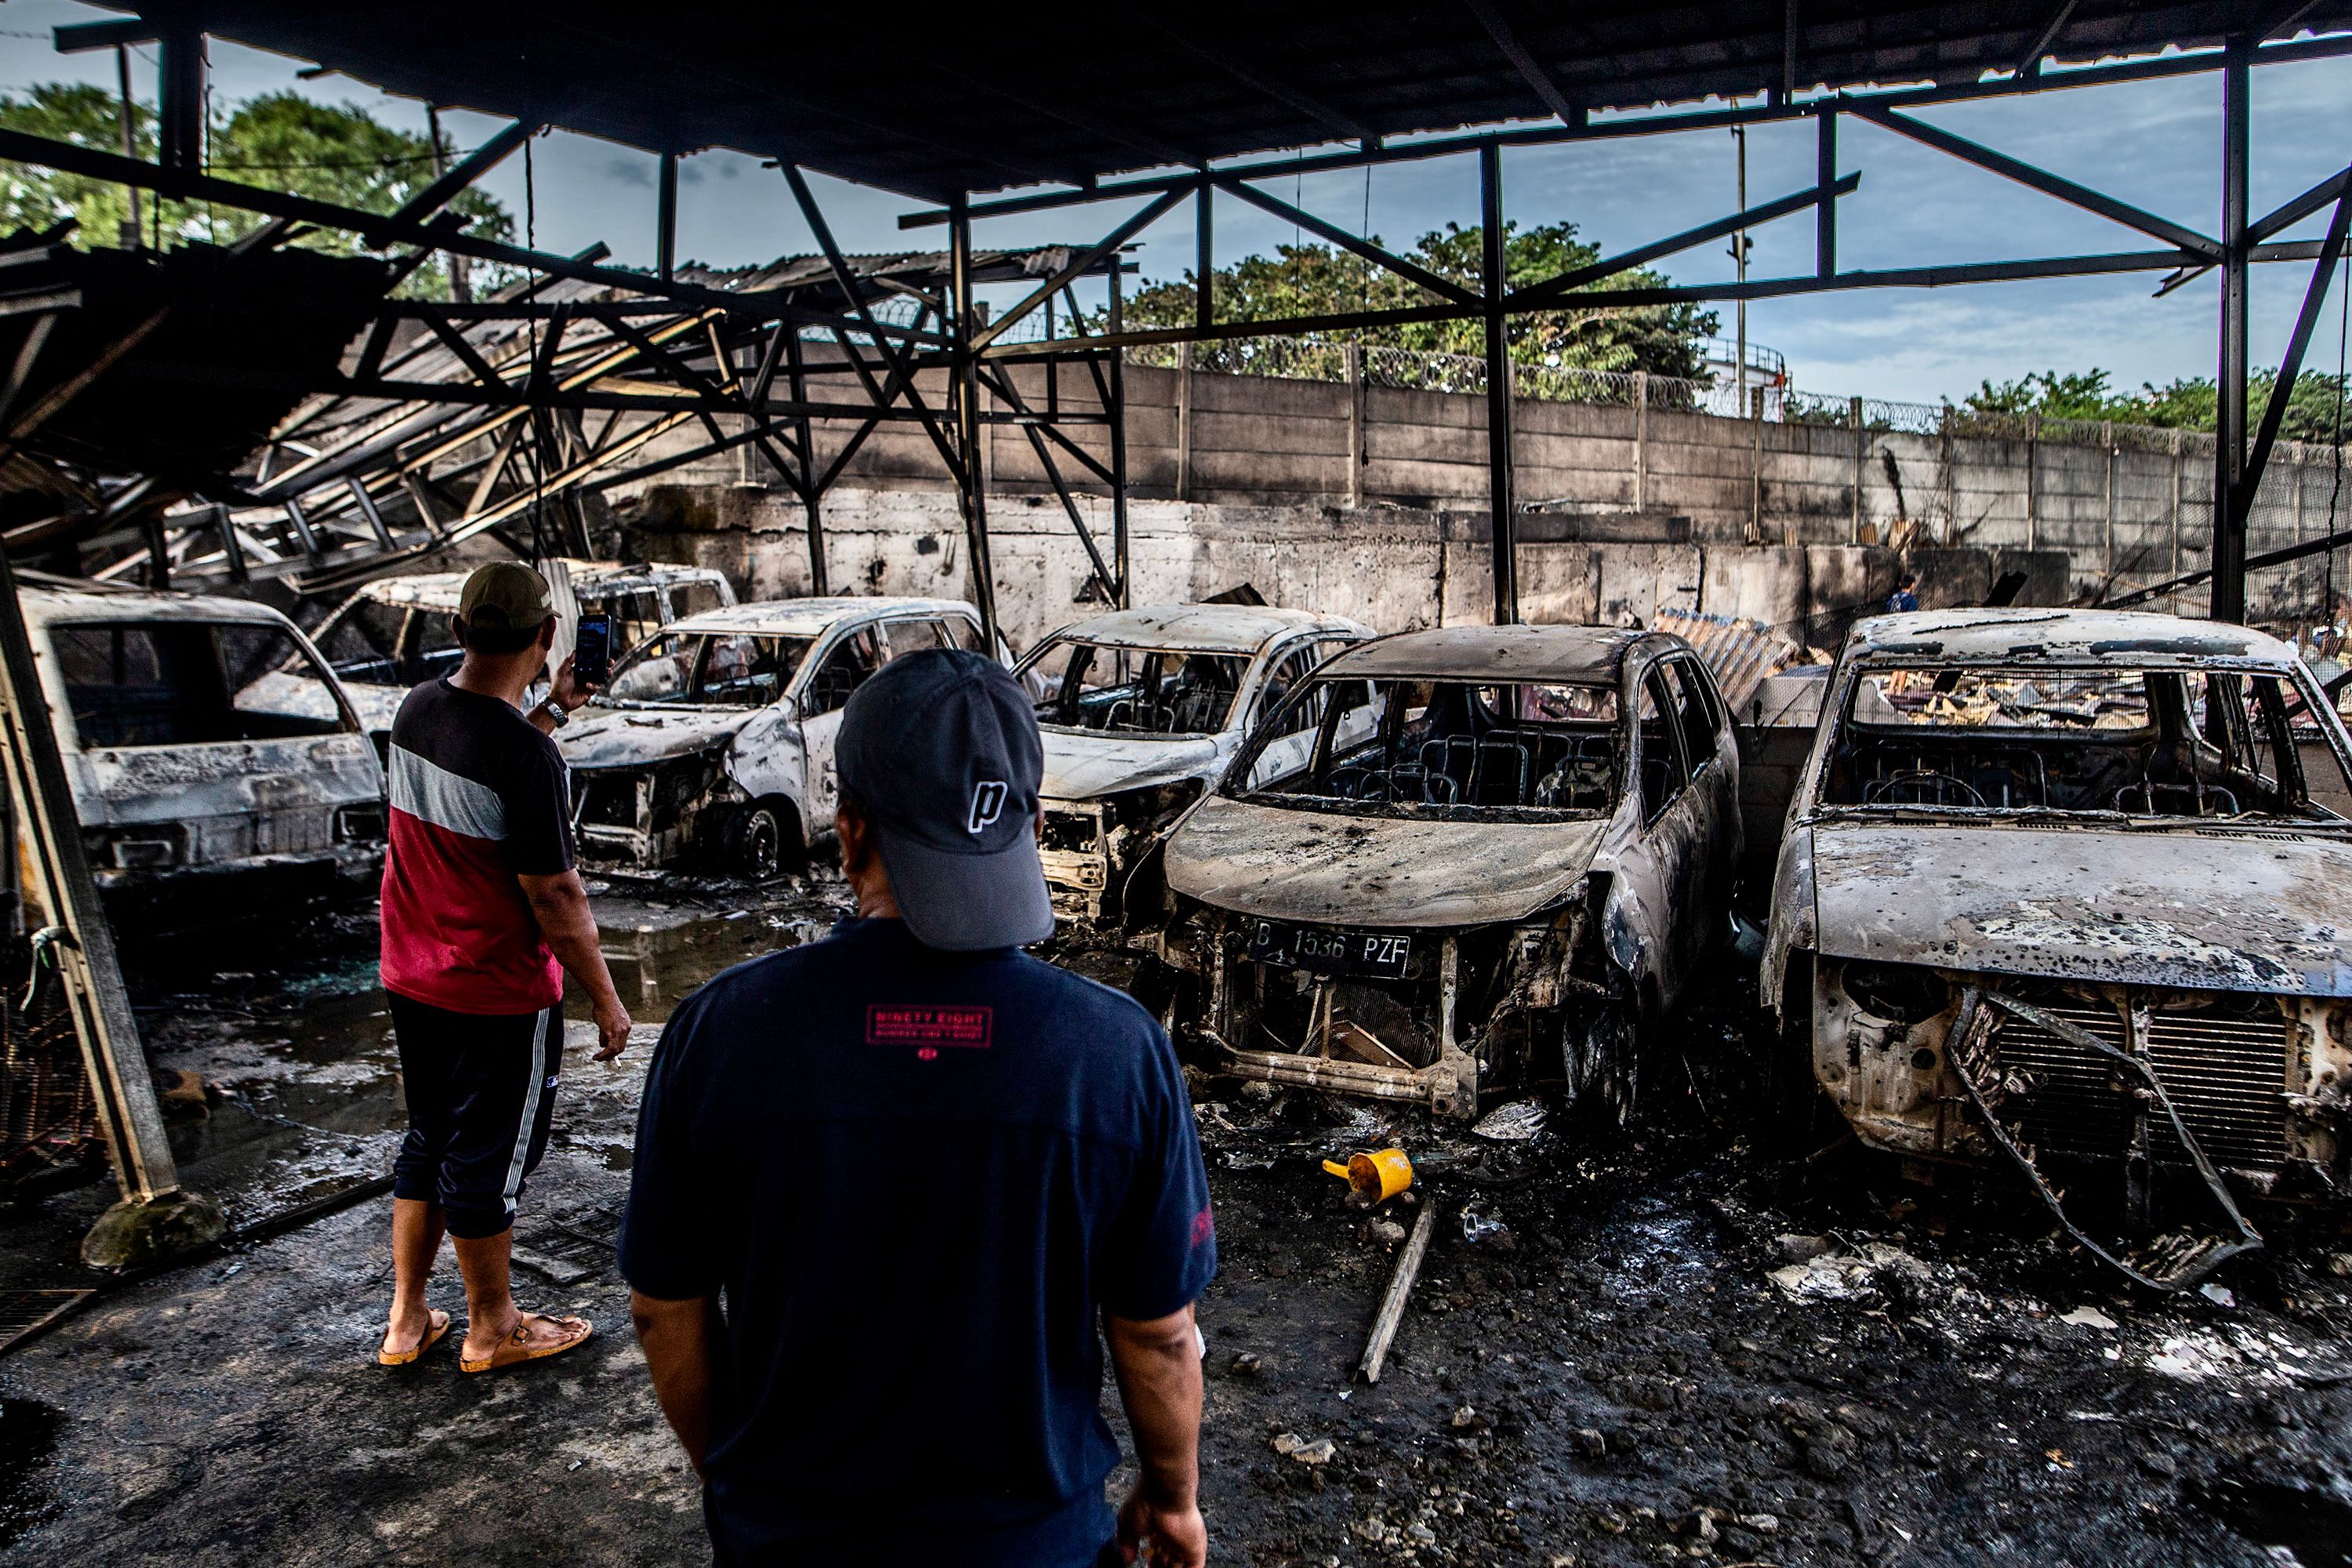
591 650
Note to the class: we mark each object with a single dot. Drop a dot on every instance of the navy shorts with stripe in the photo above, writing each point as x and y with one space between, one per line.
480 1091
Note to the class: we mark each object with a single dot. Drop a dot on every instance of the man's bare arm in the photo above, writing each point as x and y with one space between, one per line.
680 1340
561 903
1159 1367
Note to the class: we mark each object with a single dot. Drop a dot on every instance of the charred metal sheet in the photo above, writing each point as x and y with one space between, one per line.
1741 653
2220 909
1370 871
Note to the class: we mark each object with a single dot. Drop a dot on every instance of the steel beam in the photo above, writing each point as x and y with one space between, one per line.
2025 173
1825 178
2291 365
2228 602
1532 71
1417 148
971 484
429 201
1501 500
1115 408
184 185
1443 287
1549 292
180 95
666 218
1077 267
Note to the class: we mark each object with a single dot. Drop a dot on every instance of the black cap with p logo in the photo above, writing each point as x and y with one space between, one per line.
940 749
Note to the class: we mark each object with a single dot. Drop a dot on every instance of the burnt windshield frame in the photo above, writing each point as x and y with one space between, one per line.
1077 656
1234 784
2269 701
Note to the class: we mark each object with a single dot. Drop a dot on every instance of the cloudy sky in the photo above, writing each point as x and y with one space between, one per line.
2154 144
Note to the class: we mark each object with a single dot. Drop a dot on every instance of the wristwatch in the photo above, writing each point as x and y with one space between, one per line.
555 713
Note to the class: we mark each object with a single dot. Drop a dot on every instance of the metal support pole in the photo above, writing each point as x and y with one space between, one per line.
1641 440
666 218
180 106
2229 592
1184 421
155 1215
366 505
2032 480
127 119
1501 502
1117 413
812 494
461 277
1204 251
2179 460
1355 355
1825 162
1861 458
966 366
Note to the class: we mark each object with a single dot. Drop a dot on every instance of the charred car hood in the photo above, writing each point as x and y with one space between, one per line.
1375 871
1080 767
2252 910
633 737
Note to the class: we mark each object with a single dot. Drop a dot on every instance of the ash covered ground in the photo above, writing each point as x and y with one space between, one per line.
1645 1344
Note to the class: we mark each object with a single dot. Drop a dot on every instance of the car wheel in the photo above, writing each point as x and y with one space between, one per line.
755 844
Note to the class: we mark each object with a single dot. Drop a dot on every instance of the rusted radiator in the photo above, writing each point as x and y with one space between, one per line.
2224 1067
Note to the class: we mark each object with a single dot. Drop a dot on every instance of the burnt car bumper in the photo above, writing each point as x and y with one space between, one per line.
659 815
2259 1081
1426 1015
1089 848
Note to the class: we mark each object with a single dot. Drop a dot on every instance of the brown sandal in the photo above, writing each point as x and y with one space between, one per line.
436 1324
516 1347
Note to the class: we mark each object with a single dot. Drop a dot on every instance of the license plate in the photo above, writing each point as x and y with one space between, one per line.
1380 955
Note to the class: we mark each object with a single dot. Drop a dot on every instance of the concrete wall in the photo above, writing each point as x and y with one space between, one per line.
1396 568
2131 511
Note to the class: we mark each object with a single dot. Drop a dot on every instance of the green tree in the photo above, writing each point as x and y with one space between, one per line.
2317 408
1318 280
280 140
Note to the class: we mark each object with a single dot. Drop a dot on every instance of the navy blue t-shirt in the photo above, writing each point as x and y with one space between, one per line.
916 1176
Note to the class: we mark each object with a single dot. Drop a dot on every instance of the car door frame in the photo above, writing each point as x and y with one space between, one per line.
1652 871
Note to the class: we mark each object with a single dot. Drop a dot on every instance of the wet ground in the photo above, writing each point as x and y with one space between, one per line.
1627 1346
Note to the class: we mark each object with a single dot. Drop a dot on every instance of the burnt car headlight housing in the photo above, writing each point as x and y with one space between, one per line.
1903 992
359 824
152 847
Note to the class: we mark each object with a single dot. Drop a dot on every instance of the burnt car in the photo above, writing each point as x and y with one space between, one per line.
1141 711
395 633
712 745
2057 892
1503 852
194 768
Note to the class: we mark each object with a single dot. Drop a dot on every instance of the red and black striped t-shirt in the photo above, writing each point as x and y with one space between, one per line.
478 797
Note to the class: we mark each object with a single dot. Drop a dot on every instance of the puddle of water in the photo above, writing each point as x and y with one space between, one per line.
28 1437
658 955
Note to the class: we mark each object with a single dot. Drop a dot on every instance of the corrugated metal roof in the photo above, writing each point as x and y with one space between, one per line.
978 98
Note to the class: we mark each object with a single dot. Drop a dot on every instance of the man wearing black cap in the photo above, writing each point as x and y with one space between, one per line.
917 1163
482 913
